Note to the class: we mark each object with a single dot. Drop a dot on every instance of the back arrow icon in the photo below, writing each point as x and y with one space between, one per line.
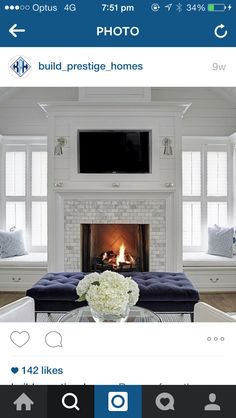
13 31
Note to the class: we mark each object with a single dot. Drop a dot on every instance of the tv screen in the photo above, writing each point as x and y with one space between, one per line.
113 152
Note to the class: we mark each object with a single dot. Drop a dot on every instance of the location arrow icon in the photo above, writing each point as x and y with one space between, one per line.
13 30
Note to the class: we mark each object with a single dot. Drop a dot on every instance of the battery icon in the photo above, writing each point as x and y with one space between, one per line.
216 7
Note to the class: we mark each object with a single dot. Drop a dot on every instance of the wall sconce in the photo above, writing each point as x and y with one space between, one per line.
60 144
168 150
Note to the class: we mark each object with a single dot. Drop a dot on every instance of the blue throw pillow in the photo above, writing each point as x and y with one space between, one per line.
12 243
220 241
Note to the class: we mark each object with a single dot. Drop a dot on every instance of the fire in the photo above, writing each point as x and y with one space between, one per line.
104 256
122 260
121 256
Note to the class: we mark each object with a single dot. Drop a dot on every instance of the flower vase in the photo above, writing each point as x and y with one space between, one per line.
110 317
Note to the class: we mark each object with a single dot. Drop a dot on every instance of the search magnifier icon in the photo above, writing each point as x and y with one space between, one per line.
67 403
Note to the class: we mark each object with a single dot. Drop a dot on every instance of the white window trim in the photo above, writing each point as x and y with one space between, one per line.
28 144
204 144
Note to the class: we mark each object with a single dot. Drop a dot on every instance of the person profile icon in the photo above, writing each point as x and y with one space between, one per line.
212 406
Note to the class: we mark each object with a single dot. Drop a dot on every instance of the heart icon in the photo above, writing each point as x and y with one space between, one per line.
14 370
165 401
20 338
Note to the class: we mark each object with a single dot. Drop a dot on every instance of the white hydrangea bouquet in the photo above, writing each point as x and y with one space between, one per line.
109 295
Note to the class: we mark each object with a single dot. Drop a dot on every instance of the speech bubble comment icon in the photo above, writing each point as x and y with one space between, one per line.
53 339
165 402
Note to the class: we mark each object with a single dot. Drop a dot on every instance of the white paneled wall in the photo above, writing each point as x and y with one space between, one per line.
213 110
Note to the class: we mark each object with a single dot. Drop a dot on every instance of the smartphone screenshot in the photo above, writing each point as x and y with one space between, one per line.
117 209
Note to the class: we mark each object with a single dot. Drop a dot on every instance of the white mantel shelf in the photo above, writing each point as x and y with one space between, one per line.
114 190
72 108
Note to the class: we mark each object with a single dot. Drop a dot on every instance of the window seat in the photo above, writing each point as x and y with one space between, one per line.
200 259
17 274
210 273
28 260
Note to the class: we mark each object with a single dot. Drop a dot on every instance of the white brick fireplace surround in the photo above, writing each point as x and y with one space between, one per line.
126 209
153 199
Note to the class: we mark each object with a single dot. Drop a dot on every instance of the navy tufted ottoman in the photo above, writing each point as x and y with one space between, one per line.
159 292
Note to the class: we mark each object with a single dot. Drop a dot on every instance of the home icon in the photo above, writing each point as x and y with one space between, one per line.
23 403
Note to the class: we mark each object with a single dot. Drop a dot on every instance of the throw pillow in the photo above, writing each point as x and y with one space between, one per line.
12 243
220 241
234 243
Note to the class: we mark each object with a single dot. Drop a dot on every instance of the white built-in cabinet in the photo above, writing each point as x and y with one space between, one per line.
212 279
14 279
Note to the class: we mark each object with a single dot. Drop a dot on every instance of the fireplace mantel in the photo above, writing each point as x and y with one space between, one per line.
70 190
75 108
113 191
154 208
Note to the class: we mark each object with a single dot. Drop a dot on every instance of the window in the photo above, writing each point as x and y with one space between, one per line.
192 173
25 192
192 224
206 192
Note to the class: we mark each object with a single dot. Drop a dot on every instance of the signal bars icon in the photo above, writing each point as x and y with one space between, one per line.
17 7
11 7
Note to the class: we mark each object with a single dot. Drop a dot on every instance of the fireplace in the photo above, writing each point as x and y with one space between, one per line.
116 247
151 211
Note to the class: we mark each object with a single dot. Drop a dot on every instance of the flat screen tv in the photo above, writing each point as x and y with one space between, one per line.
113 152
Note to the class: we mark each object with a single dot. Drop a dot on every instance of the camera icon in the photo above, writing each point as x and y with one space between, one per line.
118 401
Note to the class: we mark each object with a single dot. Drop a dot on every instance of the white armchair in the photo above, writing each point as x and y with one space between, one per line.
207 313
22 310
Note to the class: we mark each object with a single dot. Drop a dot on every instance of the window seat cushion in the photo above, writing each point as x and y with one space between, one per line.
201 259
28 260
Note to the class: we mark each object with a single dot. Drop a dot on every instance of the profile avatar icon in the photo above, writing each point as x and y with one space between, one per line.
212 406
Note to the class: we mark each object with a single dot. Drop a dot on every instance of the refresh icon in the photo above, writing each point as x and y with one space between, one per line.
220 31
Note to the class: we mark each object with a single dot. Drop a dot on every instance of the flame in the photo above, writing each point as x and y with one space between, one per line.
121 256
132 260
104 256
116 261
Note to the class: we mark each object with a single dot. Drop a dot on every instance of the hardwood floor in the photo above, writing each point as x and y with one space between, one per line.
226 302
223 301
8 297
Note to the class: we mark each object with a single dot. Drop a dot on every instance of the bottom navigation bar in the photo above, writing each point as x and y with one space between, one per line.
129 401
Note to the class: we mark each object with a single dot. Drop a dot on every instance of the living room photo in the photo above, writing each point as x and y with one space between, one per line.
117 204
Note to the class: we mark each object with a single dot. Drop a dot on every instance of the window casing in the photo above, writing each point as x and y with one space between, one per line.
24 191
207 191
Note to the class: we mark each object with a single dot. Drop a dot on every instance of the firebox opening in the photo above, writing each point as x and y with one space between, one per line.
116 247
